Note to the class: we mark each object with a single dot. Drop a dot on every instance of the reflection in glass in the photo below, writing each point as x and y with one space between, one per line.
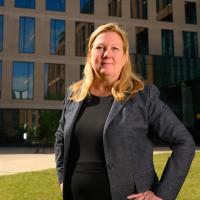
190 44
164 10
190 13
39 125
25 4
1 2
139 9
83 31
142 46
81 71
55 5
54 81
27 35
167 43
0 77
1 32
57 43
23 73
114 8
87 6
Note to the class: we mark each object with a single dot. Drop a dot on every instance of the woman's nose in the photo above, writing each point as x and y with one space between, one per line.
106 53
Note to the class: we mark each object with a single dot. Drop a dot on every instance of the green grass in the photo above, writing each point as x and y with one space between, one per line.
43 185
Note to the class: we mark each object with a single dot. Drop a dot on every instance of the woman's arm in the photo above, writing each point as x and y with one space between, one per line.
171 131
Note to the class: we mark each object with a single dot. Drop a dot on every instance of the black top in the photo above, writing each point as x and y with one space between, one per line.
87 137
86 174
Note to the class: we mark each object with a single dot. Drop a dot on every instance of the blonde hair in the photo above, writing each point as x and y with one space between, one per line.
128 84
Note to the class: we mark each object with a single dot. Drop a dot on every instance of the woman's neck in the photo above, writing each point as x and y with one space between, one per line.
101 88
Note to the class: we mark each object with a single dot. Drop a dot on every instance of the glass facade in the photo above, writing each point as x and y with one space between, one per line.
1 32
0 77
142 46
83 31
87 6
167 42
139 9
178 79
54 81
55 5
23 75
190 13
1 2
114 8
27 35
25 4
57 43
190 44
164 10
39 125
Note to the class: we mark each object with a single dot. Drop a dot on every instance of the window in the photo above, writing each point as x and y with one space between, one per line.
1 33
83 31
25 4
54 81
57 43
139 9
0 77
55 5
81 71
87 6
1 2
190 13
23 80
167 43
114 8
27 35
142 46
190 44
164 10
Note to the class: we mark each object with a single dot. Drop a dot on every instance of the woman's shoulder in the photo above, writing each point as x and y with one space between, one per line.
149 90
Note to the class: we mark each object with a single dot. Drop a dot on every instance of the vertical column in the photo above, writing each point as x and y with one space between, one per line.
101 8
38 81
151 9
126 9
178 9
154 41
7 73
178 43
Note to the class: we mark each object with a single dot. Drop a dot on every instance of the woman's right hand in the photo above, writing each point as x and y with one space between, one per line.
61 187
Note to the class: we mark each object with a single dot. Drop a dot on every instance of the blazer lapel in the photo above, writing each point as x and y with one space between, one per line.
71 115
115 109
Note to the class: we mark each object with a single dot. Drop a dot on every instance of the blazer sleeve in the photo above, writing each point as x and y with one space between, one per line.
170 130
59 146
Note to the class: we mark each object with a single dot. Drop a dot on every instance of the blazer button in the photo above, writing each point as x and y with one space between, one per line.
110 166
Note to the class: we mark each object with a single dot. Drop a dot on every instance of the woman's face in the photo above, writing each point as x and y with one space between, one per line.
107 56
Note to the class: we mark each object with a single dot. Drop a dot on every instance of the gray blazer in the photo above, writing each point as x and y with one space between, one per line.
128 145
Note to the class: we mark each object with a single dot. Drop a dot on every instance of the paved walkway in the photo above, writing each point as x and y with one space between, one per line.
16 163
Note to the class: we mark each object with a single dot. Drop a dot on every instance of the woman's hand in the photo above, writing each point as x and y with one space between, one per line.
148 195
61 187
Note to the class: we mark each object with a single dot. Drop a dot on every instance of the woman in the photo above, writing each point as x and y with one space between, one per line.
103 145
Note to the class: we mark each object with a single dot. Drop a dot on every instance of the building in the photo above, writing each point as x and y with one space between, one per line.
43 46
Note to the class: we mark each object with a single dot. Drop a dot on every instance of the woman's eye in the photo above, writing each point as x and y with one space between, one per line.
99 48
115 48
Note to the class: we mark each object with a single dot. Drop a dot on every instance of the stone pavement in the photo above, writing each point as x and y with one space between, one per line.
16 163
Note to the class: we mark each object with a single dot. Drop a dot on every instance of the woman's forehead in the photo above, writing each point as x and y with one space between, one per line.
108 38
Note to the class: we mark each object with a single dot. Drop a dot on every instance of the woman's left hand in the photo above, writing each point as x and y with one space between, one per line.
148 195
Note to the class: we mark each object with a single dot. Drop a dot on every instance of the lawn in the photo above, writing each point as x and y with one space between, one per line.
43 185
